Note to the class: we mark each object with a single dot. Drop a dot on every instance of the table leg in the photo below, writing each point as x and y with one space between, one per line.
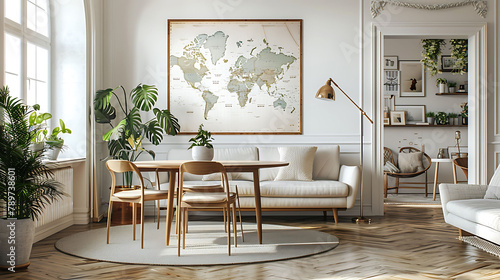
258 214
170 204
435 181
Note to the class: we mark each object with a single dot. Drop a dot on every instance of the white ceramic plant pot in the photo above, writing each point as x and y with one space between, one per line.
442 88
36 147
53 153
202 153
17 235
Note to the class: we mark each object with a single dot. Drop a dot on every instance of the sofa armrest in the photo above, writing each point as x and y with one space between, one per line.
350 175
449 192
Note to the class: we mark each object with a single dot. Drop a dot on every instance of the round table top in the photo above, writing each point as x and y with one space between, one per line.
442 160
173 165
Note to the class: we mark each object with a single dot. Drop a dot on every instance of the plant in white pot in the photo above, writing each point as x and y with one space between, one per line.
54 142
201 147
38 121
441 84
26 184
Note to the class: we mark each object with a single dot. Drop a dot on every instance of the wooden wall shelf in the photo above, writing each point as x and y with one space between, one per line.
434 125
455 93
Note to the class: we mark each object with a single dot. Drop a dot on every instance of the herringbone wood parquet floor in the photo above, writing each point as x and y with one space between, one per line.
407 243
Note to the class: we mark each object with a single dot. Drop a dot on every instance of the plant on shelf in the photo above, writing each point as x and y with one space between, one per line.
459 50
125 137
38 121
441 118
453 118
430 117
431 54
464 113
26 184
441 84
451 87
202 148
54 142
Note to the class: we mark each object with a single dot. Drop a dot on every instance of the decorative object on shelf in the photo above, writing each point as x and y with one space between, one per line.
412 78
391 82
459 52
443 153
431 53
398 118
125 138
26 183
387 121
327 93
441 84
480 6
414 113
441 118
257 62
391 62
452 86
465 113
430 117
461 88
202 148
453 119
54 142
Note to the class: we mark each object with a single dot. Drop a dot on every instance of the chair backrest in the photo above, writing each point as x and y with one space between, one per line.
388 157
426 164
122 166
203 168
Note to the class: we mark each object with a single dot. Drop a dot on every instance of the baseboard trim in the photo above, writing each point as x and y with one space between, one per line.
53 227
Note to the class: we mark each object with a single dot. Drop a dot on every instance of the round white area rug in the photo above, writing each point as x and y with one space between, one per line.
206 244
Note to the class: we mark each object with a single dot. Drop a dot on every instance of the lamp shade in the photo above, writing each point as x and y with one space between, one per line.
326 92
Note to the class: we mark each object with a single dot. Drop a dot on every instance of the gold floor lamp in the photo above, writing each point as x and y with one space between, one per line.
326 93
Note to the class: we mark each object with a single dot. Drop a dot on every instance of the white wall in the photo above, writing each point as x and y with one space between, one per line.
337 43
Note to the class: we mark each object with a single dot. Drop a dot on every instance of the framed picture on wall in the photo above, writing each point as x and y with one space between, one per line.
398 118
448 64
414 113
391 82
412 78
390 62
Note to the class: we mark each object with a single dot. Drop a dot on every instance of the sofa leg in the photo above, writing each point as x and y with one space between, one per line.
462 232
324 214
335 215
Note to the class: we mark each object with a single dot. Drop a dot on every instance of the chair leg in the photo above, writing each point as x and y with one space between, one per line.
178 229
108 224
142 225
184 230
425 183
158 214
397 185
239 212
228 232
134 219
235 225
225 219
385 185
335 215
186 219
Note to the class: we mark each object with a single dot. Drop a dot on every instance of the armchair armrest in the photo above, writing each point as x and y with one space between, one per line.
350 175
449 192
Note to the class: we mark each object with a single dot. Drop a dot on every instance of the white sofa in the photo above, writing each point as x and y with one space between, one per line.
334 187
474 209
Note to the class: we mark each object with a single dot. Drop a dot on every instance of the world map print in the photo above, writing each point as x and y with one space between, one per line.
236 76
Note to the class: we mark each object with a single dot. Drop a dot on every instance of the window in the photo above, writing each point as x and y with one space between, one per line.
27 51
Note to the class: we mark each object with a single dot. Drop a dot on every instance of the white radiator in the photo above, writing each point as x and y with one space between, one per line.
63 206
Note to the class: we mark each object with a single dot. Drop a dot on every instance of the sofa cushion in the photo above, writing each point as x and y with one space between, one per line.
482 211
268 154
492 192
322 188
326 164
300 159
410 162
239 153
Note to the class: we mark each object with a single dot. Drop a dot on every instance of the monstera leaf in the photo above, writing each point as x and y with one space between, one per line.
167 121
104 111
144 97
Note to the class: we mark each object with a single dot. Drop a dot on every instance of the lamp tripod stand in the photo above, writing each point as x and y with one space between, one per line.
326 92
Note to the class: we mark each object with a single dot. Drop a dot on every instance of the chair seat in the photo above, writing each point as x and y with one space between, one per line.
203 188
135 194
207 197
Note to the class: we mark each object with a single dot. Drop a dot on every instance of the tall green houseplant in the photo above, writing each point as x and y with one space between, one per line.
126 136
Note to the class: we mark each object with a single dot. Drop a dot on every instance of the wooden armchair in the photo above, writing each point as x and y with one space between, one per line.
389 157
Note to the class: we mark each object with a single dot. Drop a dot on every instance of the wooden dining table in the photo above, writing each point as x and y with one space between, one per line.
172 167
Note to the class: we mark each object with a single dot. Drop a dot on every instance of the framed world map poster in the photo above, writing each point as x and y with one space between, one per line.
236 76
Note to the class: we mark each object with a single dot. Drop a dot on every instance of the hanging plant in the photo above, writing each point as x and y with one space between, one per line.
431 54
459 49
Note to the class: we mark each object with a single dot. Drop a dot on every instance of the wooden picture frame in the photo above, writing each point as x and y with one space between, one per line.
391 62
412 78
213 77
448 64
414 113
387 121
398 118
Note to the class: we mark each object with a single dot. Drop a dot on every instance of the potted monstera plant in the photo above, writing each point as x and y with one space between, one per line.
26 186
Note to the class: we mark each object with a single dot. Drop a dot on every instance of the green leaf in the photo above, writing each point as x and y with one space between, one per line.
144 97
133 124
153 132
167 121
104 111
115 132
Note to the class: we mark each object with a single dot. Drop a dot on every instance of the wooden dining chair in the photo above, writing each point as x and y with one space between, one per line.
134 196
463 163
221 198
